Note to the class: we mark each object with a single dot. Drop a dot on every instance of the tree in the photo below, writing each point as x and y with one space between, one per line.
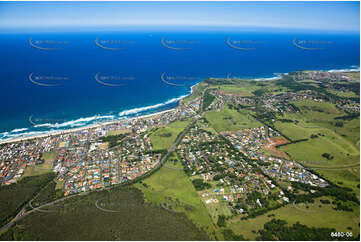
200 185
221 221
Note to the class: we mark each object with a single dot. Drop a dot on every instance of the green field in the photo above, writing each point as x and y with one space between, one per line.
342 150
59 185
197 92
118 131
119 214
342 94
163 138
344 177
172 188
314 216
317 119
355 75
230 120
242 90
217 209
341 142
44 168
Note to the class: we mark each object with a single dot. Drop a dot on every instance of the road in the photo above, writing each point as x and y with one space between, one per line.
23 212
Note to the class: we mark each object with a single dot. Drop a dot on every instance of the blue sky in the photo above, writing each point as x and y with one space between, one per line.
69 15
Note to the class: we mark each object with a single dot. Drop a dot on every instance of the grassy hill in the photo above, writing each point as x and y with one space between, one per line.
230 120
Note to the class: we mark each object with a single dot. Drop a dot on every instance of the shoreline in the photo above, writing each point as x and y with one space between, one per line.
73 130
276 76
91 126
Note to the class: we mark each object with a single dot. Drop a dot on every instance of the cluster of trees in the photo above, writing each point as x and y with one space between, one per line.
230 235
200 185
221 221
285 120
339 124
47 194
165 134
160 151
264 115
348 116
260 92
207 99
342 206
277 229
327 156
325 201
15 196
112 139
219 81
217 177
343 194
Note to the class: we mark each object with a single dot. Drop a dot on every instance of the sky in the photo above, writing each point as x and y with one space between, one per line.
339 16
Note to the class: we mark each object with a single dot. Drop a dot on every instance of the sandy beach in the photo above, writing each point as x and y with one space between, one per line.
72 130
91 126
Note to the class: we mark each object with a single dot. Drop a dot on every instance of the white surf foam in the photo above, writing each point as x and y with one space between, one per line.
142 109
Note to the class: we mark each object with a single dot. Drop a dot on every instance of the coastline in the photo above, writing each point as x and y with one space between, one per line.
276 76
73 130
92 126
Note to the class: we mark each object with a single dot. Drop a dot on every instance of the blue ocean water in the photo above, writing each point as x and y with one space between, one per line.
53 81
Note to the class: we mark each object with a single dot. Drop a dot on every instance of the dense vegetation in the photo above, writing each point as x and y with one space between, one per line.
207 99
47 194
15 196
113 139
277 229
200 185
230 235
131 219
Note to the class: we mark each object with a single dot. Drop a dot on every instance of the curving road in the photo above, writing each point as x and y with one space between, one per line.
23 212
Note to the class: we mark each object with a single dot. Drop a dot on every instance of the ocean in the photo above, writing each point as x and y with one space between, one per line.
62 80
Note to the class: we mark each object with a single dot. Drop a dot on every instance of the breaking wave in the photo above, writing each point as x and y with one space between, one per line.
142 109
47 128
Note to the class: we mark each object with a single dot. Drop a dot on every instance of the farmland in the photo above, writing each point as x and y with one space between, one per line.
316 215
